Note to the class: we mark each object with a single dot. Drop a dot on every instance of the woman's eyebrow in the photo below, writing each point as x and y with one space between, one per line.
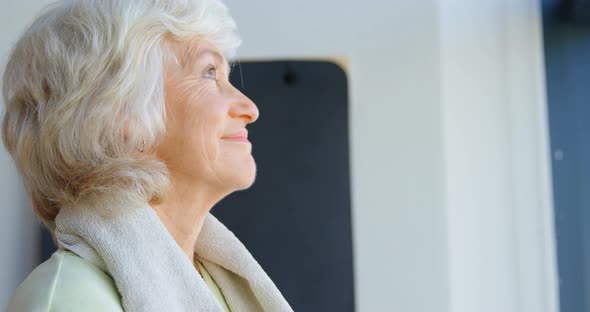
218 56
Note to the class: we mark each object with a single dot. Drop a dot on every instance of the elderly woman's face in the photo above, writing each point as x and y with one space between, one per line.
206 139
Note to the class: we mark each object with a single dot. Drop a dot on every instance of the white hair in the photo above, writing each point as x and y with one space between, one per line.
83 89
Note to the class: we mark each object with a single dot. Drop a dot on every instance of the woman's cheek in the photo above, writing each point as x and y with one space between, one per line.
207 145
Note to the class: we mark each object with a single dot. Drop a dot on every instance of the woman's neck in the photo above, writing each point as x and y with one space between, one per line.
183 212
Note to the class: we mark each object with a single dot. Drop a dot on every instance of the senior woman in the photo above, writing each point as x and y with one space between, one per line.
121 119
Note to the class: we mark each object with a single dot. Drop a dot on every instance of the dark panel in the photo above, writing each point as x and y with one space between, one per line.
581 11
296 218
573 11
567 51
557 10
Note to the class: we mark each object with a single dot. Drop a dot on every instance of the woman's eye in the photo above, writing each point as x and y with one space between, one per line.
211 72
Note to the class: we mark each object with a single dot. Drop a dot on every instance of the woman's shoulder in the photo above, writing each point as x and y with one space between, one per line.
66 282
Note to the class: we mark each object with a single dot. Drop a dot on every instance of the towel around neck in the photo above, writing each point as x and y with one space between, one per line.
151 271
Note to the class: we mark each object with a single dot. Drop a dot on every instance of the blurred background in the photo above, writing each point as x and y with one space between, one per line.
448 139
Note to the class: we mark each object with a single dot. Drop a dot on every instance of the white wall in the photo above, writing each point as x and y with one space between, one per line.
499 207
441 206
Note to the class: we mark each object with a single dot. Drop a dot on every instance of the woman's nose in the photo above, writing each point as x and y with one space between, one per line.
243 107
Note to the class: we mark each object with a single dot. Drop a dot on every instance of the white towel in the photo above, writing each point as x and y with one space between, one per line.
151 271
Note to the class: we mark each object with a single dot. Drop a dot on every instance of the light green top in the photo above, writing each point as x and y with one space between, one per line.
213 286
67 282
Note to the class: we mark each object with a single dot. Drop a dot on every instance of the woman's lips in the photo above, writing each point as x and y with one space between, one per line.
240 136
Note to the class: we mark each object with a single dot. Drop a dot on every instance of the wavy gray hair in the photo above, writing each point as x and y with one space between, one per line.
83 89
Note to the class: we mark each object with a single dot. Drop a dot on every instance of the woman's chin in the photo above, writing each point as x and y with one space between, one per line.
249 179
245 177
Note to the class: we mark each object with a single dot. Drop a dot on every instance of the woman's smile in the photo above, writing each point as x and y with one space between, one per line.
239 136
